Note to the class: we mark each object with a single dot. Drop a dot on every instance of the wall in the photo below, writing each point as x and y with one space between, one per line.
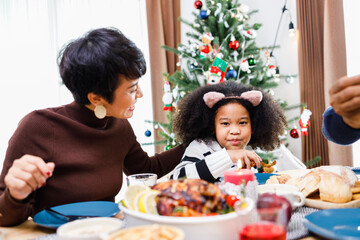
268 15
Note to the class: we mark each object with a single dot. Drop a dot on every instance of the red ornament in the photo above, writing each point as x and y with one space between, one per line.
295 133
234 44
198 4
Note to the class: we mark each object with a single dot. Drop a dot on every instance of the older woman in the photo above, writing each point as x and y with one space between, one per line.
78 152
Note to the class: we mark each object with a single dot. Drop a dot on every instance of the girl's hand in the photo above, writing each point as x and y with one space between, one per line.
247 158
27 174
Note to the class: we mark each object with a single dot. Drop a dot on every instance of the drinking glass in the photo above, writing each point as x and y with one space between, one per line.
269 224
148 179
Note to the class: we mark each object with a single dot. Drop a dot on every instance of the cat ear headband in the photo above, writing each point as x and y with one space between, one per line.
253 96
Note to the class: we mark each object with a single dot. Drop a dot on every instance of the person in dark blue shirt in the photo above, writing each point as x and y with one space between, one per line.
341 121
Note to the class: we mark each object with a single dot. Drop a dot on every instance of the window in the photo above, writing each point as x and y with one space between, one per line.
33 32
352 38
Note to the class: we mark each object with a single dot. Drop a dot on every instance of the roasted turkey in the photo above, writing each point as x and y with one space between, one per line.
189 197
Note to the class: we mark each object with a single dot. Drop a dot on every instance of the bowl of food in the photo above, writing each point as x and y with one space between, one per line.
149 232
197 207
96 228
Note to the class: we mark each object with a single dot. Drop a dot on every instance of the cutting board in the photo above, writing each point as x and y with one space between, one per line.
315 202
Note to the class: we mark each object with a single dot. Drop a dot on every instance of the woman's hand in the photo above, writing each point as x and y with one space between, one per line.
248 158
27 174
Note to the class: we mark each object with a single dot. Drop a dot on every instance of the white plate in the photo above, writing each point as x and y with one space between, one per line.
224 226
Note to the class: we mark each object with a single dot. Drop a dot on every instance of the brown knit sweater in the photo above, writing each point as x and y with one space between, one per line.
89 155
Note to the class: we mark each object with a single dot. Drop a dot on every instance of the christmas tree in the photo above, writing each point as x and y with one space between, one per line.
222 47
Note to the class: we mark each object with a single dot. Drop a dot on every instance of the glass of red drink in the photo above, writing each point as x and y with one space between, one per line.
269 224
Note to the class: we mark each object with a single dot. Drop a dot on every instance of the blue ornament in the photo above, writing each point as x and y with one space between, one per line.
147 133
231 73
203 15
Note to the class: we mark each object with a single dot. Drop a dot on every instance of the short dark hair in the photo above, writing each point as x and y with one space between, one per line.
94 63
194 120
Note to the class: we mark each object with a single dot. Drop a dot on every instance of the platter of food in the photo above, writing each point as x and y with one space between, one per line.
197 207
325 187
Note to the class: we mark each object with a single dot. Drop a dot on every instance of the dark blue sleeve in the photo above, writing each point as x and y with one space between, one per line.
336 130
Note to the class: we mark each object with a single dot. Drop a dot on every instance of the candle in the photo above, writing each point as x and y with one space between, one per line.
237 176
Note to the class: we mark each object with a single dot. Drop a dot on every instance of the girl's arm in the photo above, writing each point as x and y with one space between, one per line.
248 158
201 162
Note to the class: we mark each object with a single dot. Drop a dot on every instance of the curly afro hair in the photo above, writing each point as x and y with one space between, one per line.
195 120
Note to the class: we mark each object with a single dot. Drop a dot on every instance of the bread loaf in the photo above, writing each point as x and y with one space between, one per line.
309 183
333 188
347 174
278 179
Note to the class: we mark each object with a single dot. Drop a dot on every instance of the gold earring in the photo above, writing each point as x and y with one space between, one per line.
100 111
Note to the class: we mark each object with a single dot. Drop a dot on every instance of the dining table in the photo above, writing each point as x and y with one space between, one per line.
31 231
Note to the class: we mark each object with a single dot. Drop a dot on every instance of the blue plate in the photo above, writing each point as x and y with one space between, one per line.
95 208
262 177
342 223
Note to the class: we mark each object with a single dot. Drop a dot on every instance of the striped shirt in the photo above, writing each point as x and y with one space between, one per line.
203 161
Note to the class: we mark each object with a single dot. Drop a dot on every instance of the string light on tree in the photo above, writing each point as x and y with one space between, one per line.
235 54
244 8
192 66
267 55
277 75
291 29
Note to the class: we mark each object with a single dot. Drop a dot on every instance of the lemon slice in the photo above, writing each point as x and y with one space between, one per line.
147 203
136 202
131 193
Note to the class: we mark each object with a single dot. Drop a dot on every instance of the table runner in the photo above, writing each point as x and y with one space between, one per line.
296 229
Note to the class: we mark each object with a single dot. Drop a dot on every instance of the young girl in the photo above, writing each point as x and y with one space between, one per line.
216 123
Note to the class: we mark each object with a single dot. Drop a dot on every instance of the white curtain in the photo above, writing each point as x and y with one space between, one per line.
352 33
32 33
